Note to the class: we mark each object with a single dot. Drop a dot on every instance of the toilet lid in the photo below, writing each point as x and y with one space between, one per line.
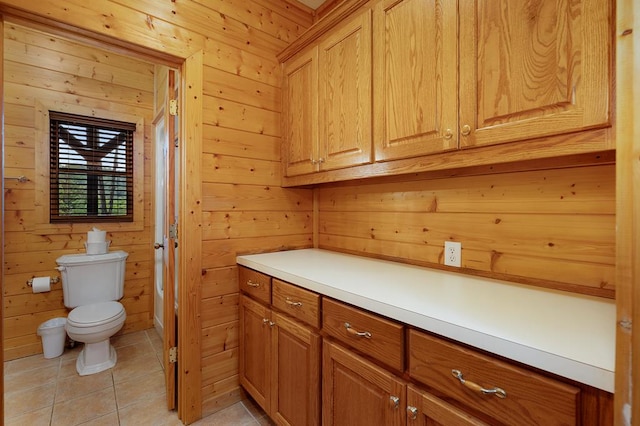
95 313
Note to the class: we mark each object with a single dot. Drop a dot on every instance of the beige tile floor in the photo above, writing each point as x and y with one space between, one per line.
41 391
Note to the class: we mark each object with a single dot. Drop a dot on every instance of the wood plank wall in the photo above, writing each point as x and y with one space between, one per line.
552 228
46 70
244 208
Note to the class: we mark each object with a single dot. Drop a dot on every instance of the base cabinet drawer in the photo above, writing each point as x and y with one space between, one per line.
509 394
301 304
255 284
371 334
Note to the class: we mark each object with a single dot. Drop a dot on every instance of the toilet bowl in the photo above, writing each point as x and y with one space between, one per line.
93 325
92 284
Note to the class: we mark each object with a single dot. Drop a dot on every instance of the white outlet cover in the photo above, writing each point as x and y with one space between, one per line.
453 253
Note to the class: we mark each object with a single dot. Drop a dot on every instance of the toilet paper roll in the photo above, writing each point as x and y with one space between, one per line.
41 284
96 236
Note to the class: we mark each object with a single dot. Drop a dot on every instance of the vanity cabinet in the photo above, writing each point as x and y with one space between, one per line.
310 359
356 392
327 97
279 362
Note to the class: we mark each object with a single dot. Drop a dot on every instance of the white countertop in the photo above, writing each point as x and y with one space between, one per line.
570 335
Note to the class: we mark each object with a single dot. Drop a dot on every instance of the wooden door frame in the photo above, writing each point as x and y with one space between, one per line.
189 206
2 225
627 396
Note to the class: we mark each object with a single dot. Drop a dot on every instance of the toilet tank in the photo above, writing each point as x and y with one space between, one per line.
92 278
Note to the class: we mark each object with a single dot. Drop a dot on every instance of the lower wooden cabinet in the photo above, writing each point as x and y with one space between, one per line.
356 392
299 378
424 409
255 344
295 382
280 364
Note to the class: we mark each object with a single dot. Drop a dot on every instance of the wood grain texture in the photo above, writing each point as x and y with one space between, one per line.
627 392
81 80
530 69
415 83
521 226
237 77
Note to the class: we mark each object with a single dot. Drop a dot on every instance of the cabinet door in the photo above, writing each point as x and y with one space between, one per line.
255 359
356 392
295 386
300 113
424 409
415 78
533 69
344 95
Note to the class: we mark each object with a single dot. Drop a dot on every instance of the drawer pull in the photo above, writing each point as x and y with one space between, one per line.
412 412
356 333
500 393
252 284
292 303
395 402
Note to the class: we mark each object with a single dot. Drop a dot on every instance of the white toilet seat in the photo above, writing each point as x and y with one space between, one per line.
95 318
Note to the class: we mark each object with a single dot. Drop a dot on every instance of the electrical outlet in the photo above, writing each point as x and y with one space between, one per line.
453 253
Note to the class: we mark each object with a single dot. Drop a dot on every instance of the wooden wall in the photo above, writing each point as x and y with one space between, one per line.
553 228
43 71
243 207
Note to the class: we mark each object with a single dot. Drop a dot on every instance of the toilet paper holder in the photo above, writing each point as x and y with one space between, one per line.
54 280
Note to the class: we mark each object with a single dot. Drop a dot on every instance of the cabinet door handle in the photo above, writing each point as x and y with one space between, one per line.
292 303
271 323
465 130
356 333
265 321
448 134
500 393
252 284
395 402
412 412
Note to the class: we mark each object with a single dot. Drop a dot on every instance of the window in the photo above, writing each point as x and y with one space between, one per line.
91 169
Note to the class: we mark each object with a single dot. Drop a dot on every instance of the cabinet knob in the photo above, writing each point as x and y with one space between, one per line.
265 321
448 134
395 401
465 130
412 412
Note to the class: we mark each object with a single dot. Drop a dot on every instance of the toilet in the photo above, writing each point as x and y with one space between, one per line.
92 284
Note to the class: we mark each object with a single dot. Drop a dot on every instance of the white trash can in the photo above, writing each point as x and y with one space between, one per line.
53 337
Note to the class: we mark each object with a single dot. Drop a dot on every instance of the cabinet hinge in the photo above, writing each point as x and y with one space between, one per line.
173 107
173 355
173 231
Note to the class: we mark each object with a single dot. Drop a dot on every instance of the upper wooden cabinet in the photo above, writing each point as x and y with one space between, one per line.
533 69
429 78
415 78
327 111
300 112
